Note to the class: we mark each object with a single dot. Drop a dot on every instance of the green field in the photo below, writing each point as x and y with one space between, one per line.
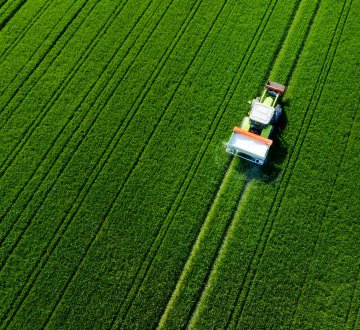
119 207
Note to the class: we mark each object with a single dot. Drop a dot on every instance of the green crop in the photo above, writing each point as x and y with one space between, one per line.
119 207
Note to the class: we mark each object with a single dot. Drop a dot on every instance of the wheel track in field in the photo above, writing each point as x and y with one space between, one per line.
355 287
243 191
51 102
290 165
7 50
44 254
12 13
58 92
323 216
61 151
154 76
187 181
220 246
47 108
2 3
287 81
79 143
43 57
93 177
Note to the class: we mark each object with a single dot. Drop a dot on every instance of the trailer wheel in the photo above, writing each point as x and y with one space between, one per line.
277 114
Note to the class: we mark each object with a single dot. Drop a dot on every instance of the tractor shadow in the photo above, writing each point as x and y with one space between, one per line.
270 171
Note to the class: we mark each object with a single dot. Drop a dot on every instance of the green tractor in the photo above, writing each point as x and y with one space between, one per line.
252 140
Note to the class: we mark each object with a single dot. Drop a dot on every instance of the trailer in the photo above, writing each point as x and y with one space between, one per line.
251 140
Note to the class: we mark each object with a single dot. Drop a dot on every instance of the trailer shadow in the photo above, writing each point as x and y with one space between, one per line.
277 154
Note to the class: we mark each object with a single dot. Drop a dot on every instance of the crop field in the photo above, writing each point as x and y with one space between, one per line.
119 207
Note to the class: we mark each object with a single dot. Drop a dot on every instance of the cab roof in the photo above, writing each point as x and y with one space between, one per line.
261 113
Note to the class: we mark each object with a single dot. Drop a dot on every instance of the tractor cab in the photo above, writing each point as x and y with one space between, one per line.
261 113
252 140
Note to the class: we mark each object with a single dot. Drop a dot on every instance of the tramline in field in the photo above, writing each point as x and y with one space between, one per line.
251 140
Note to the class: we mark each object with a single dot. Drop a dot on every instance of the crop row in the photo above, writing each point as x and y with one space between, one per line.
83 90
8 10
14 32
182 226
102 183
273 302
150 53
174 240
122 150
197 270
58 110
18 77
68 119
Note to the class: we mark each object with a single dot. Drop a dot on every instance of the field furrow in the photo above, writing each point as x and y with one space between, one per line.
119 207
8 10
47 179
237 230
319 209
185 279
19 78
308 118
21 24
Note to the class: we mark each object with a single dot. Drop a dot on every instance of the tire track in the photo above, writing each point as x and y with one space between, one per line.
220 247
30 59
65 164
274 209
148 255
323 216
112 145
79 142
43 57
50 247
110 207
47 108
195 247
187 181
245 188
249 179
7 50
17 149
355 288
11 14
